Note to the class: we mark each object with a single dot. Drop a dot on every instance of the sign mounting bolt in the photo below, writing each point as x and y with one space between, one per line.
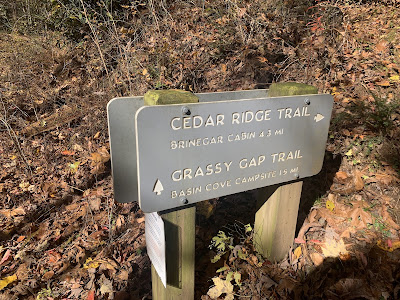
296 175
184 201
307 101
186 111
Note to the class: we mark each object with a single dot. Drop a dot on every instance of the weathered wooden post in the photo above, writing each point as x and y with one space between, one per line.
276 217
179 225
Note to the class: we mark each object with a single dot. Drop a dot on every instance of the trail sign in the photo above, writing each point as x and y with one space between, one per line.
121 126
194 152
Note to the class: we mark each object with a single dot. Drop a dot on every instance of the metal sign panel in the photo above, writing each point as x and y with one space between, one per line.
121 126
194 152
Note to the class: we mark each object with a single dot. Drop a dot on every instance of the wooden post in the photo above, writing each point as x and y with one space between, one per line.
179 226
276 217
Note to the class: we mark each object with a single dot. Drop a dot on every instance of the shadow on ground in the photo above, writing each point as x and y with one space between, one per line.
371 274
240 209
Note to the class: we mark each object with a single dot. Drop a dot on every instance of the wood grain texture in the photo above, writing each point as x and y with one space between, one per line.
276 217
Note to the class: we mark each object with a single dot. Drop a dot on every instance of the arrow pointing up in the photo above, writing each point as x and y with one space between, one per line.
158 187
318 117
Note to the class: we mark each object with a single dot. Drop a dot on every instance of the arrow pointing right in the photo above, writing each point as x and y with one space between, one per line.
318 117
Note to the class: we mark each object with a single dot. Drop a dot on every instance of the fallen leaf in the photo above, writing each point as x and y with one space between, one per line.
297 252
96 136
238 277
360 217
341 176
90 264
140 220
223 68
346 132
316 242
94 203
383 83
253 259
22 272
123 275
67 152
77 147
333 248
108 264
19 211
24 185
120 221
346 233
358 181
316 258
91 295
98 159
312 215
382 46
299 241
97 234
20 238
48 275
221 287
384 178
6 256
54 257
7 280
74 167
384 246
105 285
388 218
395 78
72 206
330 205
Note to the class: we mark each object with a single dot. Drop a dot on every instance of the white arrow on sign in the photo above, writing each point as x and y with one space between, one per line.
318 117
158 187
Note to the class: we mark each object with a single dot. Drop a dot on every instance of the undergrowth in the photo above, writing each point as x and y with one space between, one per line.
378 115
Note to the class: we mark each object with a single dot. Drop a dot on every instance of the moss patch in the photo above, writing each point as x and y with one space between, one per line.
159 97
291 89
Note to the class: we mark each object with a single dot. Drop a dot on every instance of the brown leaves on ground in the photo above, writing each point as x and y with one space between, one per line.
61 230
345 183
98 159
221 287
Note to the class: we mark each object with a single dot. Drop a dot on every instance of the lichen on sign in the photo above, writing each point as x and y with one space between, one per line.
291 89
164 97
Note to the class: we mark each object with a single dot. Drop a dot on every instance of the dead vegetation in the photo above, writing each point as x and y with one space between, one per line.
63 236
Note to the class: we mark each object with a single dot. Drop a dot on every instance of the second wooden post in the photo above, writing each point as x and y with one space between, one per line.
276 218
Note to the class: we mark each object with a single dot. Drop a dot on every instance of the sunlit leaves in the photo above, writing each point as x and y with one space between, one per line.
7 280
220 241
221 287
297 252
330 205
74 166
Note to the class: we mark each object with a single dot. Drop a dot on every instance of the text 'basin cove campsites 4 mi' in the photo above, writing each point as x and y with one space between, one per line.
194 152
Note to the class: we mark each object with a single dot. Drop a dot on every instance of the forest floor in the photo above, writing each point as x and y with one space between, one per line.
64 237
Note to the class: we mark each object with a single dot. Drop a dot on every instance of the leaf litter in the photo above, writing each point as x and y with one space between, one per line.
63 236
